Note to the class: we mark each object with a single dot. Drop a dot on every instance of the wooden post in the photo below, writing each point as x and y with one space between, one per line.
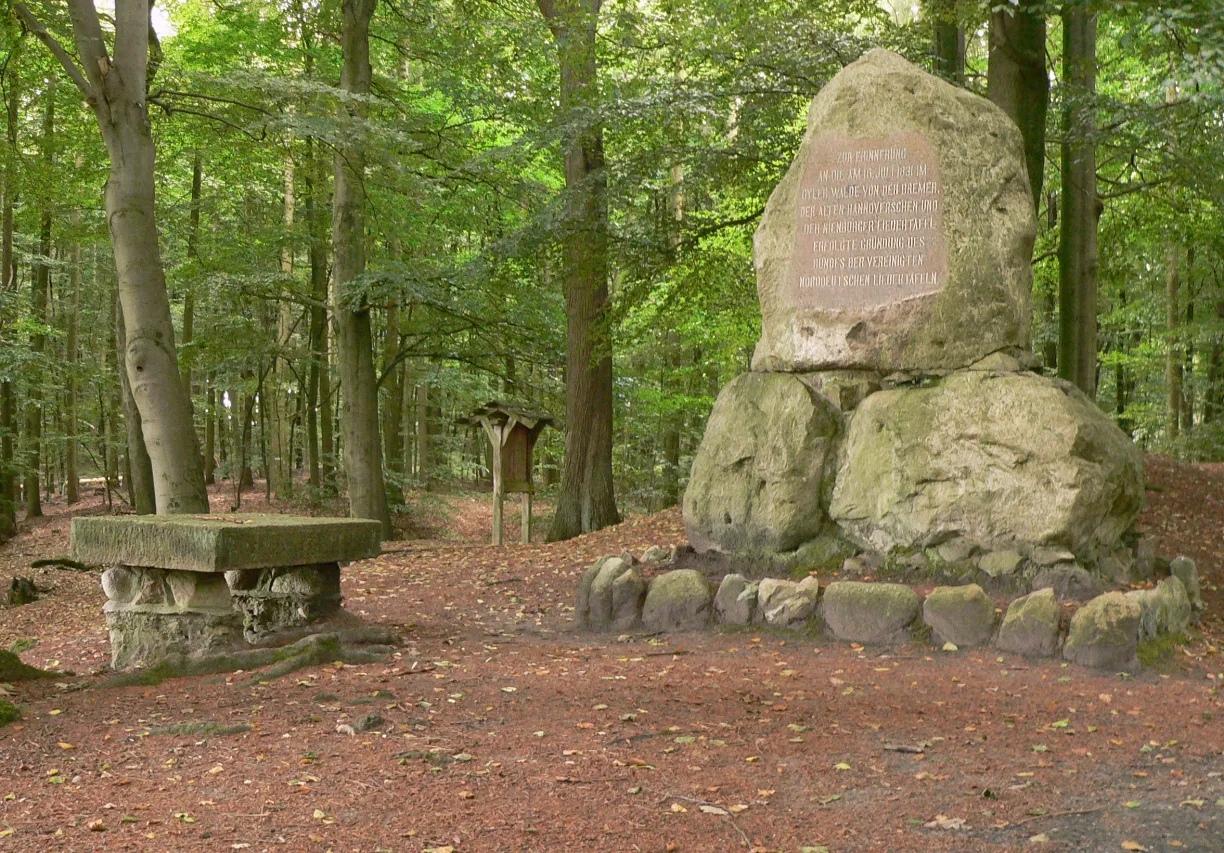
495 436
527 518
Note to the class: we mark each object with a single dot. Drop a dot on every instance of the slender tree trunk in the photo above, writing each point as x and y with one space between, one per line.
72 483
279 468
8 287
407 425
210 431
422 433
1017 80
587 500
139 467
317 405
1077 251
1214 396
1173 355
1187 382
394 405
40 292
354 337
193 252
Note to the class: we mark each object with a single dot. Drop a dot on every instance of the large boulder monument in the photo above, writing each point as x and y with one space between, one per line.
893 402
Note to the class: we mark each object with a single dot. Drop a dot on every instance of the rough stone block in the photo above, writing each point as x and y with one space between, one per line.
628 592
1105 633
963 615
1069 581
221 543
146 637
677 601
1185 570
1030 626
784 604
1163 610
877 613
736 600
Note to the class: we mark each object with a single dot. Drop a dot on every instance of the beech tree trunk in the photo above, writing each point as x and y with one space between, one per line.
1077 249
8 286
72 483
354 337
587 500
40 292
1017 81
117 91
210 432
139 468
1173 354
393 407
280 467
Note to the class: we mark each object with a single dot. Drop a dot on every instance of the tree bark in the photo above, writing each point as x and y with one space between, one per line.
318 412
1214 397
422 432
1077 250
1173 356
140 483
117 90
8 287
587 500
394 406
72 483
280 478
1017 80
40 291
354 337
210 432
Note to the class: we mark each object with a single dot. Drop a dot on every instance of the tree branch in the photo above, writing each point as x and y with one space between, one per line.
57 50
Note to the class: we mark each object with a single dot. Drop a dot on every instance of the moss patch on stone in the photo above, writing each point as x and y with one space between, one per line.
1157 652
202 728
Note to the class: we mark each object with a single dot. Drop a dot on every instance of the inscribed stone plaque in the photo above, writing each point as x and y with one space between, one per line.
869 223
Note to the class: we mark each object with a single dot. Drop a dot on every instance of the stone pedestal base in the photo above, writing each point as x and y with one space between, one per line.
143 636
272 600
155 612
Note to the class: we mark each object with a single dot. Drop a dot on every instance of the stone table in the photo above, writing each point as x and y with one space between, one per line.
203 583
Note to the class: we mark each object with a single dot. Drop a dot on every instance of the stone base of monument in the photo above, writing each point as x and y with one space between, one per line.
201 584
274 600
620 595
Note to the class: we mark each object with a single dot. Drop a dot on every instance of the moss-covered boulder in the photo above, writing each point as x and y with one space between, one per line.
1185 570
877 613
1005 460
593 608
962 615
1163 610
757 477
911 197
1105 633
677 601
1031 625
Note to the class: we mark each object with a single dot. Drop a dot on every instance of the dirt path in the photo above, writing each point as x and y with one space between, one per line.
503 730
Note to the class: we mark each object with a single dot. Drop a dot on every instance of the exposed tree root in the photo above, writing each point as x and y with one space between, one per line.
313 650
12 668
62 563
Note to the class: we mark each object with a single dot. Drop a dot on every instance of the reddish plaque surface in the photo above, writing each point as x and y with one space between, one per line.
868 223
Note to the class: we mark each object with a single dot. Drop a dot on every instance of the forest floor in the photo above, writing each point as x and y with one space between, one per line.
505 730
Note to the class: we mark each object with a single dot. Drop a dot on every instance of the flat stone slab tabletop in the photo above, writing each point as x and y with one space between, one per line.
221 543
